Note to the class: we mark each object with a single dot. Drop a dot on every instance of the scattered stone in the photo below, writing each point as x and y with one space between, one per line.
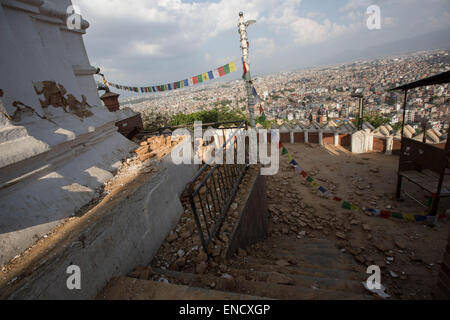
163 280
393 274
216 251
180 253
354 251
242 252
366 227
202 256
227 276
146 273
172 236
360 259
282 263
380 246
201 267
341 235
278 278
400 244
180 262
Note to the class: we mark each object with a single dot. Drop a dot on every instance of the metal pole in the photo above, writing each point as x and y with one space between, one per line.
248 80
360 120
404 114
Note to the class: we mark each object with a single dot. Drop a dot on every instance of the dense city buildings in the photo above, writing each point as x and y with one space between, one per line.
322 93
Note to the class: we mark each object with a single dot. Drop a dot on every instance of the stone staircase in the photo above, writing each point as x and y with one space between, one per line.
279 268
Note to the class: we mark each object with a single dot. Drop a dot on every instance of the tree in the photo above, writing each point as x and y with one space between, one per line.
210 116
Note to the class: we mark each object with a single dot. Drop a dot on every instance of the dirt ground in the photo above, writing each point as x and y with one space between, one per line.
409 253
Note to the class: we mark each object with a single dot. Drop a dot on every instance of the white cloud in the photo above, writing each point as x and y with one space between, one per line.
263 47
147 49
156 33
306 30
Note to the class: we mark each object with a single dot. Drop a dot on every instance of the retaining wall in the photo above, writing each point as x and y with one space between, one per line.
254 218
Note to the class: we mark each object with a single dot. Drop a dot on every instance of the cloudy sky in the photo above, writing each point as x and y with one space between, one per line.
148 42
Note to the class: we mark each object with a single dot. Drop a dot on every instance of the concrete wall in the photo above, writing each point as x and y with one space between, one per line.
125 235
379 144
254 218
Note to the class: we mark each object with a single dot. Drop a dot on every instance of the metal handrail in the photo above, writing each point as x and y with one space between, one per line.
220 185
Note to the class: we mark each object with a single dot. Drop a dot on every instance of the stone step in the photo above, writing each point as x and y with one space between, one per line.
294 241
310 269
125 288
318 259
260 288
301 280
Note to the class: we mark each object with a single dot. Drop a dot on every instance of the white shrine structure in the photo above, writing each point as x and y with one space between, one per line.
58 142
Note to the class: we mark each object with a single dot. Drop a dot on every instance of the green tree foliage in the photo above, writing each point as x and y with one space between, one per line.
214 115
377 120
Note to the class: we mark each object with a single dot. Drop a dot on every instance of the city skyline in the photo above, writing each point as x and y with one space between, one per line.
151 42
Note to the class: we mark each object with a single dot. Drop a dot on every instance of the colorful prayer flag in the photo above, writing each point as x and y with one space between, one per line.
221 71
232 66
385 214
262 119
346 205
226 68
397 215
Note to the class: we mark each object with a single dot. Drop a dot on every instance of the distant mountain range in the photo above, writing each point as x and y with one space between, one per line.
430 41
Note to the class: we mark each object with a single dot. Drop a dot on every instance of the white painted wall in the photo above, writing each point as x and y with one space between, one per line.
48 167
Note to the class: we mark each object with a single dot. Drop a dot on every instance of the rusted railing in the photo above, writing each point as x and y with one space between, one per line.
213 188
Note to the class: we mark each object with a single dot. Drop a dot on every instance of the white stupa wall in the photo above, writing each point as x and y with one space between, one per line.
52 158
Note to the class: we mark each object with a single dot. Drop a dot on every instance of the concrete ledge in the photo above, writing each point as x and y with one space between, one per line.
121 235
134 289
253 220
39 193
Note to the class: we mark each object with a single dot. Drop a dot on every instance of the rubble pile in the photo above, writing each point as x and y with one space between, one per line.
155 146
